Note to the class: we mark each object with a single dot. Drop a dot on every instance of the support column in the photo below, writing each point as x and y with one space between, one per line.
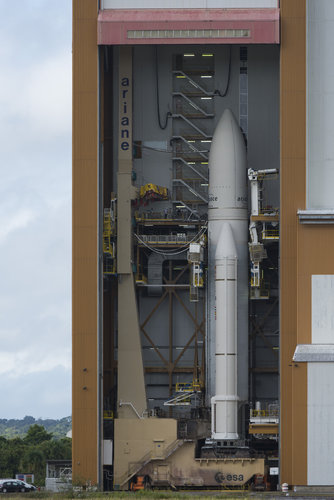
131 397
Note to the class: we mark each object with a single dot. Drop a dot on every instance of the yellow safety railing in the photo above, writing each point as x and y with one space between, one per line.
270 234
188 386
265 413
107 230
259 413
109 246
184 387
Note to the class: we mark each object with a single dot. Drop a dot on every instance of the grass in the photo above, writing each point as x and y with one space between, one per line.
149 495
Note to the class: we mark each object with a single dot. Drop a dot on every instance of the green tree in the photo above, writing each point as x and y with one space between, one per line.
37 434
57 449
30 453
33 459
34 462
14 458
11 452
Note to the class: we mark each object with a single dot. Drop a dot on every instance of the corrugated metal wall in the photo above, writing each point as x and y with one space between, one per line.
293 162
85 232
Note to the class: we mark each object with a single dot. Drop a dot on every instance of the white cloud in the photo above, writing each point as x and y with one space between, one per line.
35 208
38 100
19 364
43 394
48 96
14 221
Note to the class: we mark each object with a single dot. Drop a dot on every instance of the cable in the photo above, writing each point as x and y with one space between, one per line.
162 126
172 252
224 94
166 254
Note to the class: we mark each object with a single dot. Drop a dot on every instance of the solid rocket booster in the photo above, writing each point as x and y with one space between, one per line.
225 403
228 274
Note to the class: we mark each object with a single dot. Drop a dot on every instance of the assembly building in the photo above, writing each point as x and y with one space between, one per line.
203 270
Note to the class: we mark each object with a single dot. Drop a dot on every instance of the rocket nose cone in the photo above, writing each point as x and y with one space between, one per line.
226 245
229 128
228 115
227 124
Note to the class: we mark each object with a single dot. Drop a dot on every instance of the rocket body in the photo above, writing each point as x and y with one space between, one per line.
225 402
228 276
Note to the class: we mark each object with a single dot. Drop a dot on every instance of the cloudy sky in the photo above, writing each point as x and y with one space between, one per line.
35 208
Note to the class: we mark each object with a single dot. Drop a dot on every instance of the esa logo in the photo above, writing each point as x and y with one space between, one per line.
213 198
220 477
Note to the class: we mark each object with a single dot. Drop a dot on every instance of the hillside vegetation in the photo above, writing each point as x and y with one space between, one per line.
11 428
29 454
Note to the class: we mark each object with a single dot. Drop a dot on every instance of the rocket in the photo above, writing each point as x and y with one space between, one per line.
228 276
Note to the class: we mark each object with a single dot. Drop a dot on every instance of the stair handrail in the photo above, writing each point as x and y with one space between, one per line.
191 189
195 84
190 166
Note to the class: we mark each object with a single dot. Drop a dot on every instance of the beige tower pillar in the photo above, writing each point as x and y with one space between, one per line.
131 400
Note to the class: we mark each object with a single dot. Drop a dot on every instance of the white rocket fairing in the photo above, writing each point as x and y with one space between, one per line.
228 274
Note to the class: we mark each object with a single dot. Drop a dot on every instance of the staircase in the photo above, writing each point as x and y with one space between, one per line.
135 467
192 125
